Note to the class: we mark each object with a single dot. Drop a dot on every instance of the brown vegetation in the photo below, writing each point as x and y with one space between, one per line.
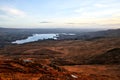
62 60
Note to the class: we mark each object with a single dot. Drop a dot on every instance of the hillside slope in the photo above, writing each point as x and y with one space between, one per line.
110 57
61 60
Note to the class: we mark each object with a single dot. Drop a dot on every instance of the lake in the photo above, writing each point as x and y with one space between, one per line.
36 37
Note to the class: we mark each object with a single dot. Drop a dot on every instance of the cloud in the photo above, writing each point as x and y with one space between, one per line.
12 11
117 24
45 22
88 13
112 25
100 5
79 23
70 23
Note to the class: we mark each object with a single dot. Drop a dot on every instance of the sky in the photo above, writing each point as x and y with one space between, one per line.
60 13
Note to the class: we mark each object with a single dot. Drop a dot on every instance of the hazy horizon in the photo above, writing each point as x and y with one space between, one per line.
87 14
97 28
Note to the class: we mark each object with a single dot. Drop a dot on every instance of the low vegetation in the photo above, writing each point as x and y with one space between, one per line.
79 59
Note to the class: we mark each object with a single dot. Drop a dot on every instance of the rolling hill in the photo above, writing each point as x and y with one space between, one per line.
88 58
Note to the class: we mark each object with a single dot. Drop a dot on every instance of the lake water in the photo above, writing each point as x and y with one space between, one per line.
36 37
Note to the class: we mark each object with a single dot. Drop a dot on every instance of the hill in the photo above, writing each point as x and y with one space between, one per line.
100 34
44 60
110 57
92 58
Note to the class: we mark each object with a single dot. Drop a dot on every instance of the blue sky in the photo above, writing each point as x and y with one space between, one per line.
60 13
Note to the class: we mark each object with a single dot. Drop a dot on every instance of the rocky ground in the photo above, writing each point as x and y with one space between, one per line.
97 59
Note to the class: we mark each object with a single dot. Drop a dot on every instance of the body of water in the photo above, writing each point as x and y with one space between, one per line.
36 37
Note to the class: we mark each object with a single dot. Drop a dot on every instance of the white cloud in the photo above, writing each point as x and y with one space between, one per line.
91 13
100 5
12 11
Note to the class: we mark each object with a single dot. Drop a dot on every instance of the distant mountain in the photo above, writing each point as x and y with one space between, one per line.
106 33
48 30
100 34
